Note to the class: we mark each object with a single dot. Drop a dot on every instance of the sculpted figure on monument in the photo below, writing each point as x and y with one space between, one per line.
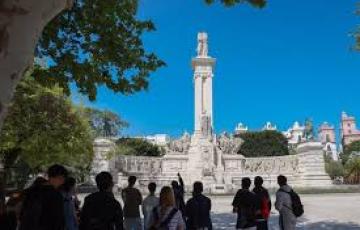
202 48
228 144
181 145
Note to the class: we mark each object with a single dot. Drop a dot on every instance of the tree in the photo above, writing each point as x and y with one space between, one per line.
137 147
309 129
43 127
352 170
264 143
349 149
334 168
104 123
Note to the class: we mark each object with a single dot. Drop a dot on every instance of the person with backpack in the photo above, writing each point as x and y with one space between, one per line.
166 216
43 205
149 203
132 200
245 205
198 210
101 211
264 202
288 204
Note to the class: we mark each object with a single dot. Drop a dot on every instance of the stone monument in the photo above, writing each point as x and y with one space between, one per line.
204 156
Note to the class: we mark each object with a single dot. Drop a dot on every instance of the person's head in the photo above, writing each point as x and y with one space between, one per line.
245 183
39 181
258 181
57 175
197 188
282 180
69 184
152 187
174 184
104 181
132 180
167 198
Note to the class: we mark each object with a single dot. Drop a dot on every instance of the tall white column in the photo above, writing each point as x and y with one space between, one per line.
203 73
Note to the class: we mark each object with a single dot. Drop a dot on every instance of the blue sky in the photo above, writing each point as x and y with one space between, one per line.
286 62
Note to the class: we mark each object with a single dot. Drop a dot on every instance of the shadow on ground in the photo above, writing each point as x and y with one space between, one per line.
228 221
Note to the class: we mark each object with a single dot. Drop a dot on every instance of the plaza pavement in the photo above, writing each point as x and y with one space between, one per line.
322 212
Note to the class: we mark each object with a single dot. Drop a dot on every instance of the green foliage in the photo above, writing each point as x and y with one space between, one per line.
256 3
104 123
334 169
352 170
264 143
138 147
348 149
42 128
95 43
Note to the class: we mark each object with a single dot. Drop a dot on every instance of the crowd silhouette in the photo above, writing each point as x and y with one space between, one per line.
52 204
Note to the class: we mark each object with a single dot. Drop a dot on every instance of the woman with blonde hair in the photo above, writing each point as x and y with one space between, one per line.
166 215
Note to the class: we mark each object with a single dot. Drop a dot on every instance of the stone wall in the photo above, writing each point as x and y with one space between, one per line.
305 169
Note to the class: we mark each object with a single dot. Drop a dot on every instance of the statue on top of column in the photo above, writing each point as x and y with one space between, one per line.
202 48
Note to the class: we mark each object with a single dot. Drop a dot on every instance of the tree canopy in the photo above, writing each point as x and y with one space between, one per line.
95 43
137 147
349 149
104 123
264 143
42 128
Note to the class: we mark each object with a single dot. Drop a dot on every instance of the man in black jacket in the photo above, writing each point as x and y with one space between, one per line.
198 210
245 205
264 202
101 211
43 205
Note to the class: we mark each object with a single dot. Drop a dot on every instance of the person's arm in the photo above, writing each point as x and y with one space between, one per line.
269 199
84 215
279 201
235 202
119 225
181 182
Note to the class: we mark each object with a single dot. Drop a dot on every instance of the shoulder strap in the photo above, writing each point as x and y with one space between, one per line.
169 217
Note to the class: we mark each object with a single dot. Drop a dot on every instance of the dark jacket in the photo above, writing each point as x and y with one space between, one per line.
260 194
42 209
198 213
246 205
101 211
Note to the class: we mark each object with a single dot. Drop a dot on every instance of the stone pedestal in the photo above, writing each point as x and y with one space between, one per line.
312 165
102 160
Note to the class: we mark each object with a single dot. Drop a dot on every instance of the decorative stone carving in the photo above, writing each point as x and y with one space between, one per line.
202 48
181 145
228 144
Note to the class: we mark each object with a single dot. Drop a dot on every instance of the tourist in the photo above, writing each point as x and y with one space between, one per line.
68 192
287 219
264 202
198 210
245 205
132 200
149 203
43 205
167 215
101 210
179 193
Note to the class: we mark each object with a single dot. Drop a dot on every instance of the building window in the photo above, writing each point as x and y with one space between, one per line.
327 138
349 125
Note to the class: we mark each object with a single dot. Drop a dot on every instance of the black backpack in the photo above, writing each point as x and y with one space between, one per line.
297 207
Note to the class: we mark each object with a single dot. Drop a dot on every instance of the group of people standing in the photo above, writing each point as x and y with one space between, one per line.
51 204
254 207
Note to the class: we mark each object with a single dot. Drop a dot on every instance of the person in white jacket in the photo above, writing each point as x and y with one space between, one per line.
287 219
